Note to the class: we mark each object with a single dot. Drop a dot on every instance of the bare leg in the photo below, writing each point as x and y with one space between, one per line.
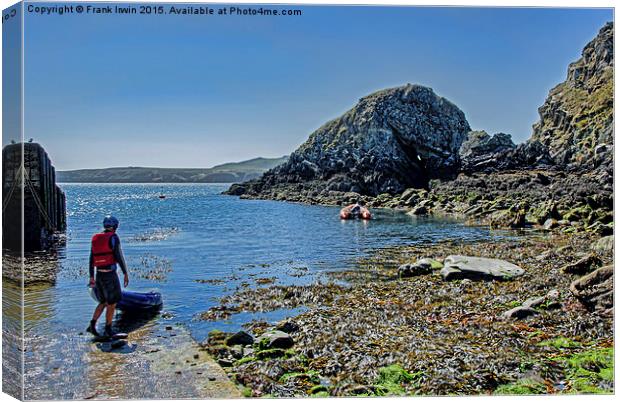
109 314
98 311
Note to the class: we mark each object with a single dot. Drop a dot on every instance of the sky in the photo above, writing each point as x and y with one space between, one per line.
196 91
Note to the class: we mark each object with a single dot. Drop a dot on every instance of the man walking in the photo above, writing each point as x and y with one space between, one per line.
105 253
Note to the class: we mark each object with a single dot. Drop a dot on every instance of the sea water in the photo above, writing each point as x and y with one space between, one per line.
195 246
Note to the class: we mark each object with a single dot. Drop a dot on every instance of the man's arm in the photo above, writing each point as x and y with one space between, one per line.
91 268
118 254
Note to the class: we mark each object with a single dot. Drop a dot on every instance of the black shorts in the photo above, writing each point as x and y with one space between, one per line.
108 287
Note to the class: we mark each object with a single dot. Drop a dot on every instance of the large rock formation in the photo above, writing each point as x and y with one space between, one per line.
480 150
575 131
484 153
391 140
403 137
576 120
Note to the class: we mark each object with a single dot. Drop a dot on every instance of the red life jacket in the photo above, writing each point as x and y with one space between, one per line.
103 255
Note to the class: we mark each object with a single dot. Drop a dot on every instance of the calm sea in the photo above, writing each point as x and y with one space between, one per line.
196 245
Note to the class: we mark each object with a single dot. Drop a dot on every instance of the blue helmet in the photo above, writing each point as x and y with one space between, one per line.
110 222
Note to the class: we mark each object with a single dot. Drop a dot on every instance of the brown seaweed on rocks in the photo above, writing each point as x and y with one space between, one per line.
451 335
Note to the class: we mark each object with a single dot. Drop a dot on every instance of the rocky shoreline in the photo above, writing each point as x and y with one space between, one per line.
387 334
547 199
407 148
447 320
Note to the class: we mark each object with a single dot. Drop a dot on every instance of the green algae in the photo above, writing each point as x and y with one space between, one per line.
244 360
521 387
590 371
391 379
270 354
311 375
561 343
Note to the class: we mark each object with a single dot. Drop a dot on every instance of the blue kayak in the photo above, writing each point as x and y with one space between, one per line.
134 301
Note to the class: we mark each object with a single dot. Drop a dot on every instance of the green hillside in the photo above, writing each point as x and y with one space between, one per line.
226 173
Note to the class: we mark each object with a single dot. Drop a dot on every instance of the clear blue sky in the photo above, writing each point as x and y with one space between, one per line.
195 91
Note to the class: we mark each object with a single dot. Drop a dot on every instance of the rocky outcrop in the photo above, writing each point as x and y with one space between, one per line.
575 131
596 290
403 147
391 140
584 265
496 155
576 120
480 150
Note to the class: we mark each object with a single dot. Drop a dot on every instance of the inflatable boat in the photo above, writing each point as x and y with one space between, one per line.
351 212
134 301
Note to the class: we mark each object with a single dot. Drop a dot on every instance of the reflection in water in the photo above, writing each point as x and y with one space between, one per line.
12 357
38 304
36 267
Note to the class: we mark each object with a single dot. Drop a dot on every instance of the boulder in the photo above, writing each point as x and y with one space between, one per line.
545 211
240 338
601 229
550 224
418 210
534 302
596 290
480 151
604 244
548 301
584 265
519 313
432 263
411 270
288 326
461 266
408 193
276 339
225 362
513 217
421 267
236 352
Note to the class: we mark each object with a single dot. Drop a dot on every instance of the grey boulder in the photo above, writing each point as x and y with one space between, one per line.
549 301
519 313
461 266
240 338
410 270
596 290
276 339
604 244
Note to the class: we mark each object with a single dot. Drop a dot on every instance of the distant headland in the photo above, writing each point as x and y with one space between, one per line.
233 172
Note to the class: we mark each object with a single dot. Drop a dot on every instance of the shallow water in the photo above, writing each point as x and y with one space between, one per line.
197 245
